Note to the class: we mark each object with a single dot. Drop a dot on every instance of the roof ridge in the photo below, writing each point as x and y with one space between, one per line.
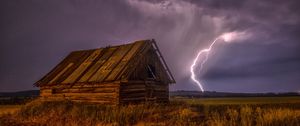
112 46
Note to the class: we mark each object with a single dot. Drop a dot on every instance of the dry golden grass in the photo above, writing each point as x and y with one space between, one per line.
176 113
9 109
247 116
62 113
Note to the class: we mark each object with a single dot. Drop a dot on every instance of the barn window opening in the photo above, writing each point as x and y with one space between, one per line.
151 72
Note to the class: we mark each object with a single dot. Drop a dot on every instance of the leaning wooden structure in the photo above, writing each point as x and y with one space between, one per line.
129 73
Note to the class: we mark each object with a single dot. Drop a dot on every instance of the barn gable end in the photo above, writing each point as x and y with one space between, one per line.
118 74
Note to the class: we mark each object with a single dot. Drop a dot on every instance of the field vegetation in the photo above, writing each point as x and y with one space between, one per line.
180 111
9 109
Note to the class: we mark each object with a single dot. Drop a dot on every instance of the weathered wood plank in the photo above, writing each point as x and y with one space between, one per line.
104 69
118 57
85 98
132 90
129 69
142 94
95 101
45 92
97 65
135 98
79 59
132 86
124 61
73 56
89 94
61 72
82 67
88 90
96 85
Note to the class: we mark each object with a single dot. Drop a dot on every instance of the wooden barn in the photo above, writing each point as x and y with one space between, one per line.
129 73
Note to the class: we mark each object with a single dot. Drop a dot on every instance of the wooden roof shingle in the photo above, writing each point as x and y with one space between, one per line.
97 65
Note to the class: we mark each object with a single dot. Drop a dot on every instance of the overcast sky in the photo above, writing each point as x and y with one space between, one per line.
35 35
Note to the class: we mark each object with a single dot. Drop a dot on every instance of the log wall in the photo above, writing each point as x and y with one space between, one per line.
143 91
97 93
109 93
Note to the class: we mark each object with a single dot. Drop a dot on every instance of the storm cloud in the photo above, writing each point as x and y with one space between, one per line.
37 34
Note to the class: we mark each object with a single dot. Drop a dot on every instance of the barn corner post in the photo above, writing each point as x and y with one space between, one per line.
171 77
164 62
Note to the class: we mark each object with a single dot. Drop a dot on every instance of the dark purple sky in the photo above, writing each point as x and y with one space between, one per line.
36 34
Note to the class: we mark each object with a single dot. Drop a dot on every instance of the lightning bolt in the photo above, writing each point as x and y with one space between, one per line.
206 52
226 37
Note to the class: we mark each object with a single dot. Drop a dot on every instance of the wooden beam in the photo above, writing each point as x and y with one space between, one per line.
163 60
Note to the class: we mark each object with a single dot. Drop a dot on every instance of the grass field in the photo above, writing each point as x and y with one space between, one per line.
261 111
9 109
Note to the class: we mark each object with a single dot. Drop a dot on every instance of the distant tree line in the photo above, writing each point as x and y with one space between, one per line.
211 94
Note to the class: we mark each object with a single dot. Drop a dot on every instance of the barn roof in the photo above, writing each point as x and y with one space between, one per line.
100 65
